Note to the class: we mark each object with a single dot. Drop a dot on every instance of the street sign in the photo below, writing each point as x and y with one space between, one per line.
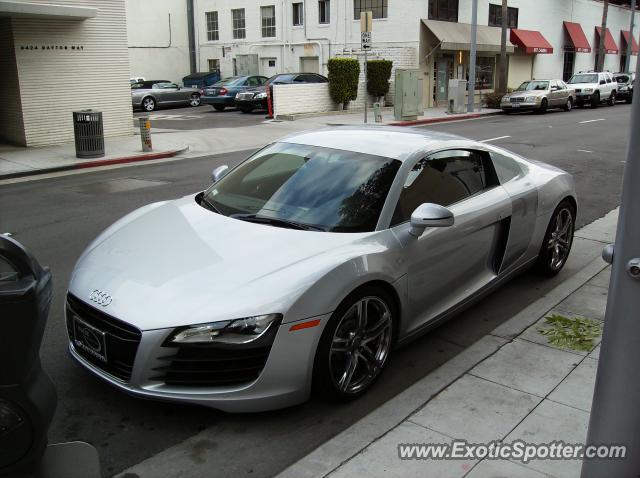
365 40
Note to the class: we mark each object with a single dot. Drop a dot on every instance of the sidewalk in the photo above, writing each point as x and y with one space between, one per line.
19 161
511 385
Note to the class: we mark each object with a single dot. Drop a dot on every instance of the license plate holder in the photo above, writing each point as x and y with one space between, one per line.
89 339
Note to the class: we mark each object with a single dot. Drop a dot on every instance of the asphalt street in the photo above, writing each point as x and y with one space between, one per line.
57 217
200 117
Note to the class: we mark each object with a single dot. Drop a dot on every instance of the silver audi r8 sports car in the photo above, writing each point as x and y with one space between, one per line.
305 265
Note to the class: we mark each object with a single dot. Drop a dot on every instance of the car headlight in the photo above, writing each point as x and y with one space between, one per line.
623 88
239 331
588 90
530 99
261 96
505 98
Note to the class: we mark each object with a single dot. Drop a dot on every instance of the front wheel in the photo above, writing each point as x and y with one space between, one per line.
148 104
194 100
543 106
557 240
246 109
612 99
355 344
595 101
568 105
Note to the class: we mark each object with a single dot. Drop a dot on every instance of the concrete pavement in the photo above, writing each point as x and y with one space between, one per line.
511 385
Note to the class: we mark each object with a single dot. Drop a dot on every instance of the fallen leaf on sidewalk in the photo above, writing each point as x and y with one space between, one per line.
577 333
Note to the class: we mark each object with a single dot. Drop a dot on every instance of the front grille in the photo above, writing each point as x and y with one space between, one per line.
245 96
578 90
121 339
517 99
207 366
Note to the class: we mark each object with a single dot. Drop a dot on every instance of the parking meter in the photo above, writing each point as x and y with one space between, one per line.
27 395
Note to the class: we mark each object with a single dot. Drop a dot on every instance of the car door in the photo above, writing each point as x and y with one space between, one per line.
445 266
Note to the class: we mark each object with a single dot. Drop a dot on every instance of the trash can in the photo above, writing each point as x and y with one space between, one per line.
87 130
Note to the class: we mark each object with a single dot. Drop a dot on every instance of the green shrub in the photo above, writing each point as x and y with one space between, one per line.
343 79
493 100
378 74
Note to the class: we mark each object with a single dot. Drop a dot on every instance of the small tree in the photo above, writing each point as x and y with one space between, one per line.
343 79
378 74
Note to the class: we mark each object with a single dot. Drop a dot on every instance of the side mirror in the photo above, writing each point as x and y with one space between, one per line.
218 173
430 215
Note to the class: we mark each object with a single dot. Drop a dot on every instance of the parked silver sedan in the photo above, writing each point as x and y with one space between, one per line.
149 95
539 95
306 264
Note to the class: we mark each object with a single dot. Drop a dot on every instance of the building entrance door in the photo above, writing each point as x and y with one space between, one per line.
444 67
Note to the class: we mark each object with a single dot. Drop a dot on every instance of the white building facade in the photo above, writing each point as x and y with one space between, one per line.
268 36
59 57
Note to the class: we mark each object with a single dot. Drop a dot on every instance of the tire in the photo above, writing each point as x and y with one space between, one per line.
629 99
558 239
346 365
507 112
246 109
219 107
543 106
569 104
612 99
595 101
148 103
194 100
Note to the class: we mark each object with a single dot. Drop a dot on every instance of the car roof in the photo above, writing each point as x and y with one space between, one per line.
392 142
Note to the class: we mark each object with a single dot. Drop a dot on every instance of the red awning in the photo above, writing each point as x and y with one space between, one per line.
577 37
610 47
532 41
625 42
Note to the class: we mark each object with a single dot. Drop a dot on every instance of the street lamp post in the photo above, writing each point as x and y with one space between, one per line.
615 414
472 60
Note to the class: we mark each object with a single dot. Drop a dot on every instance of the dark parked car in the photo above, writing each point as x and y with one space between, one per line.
625 85
256 98
223 93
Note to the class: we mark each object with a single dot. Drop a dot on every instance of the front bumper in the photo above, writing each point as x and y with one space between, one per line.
284 381
520 106
584 98
256 104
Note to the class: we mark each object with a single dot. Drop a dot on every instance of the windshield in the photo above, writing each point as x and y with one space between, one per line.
533 85
577 79
279 79
329 189
228 81
622 79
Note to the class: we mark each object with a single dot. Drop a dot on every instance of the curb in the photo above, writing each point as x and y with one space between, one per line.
444 119
96 163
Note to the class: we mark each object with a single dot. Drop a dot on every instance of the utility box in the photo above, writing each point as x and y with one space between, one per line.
247 65
457 91
407 103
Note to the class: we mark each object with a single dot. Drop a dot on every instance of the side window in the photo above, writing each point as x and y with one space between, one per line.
444 178
253 81
506 167
608 78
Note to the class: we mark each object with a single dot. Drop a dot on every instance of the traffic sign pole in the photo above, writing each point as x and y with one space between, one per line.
366 24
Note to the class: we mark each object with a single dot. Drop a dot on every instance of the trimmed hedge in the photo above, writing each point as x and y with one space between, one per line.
378 74
343 79
493 100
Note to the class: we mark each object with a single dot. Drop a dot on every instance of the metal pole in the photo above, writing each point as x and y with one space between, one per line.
615 414
627 61
366 112
472 59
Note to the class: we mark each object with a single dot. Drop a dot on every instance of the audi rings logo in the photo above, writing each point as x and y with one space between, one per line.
100 298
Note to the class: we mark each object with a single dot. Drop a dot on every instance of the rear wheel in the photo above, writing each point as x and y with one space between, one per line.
557 240
612 99
194 100
218 107
595 100
355 344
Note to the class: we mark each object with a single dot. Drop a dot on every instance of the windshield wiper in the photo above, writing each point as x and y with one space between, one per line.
207 204
276 222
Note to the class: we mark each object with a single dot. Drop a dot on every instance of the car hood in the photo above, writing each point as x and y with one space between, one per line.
256 89
176 263
517 94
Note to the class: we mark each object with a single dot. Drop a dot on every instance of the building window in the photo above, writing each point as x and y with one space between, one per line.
239 28
495 16
377 7
324 11
214 65
298 14
446 10
268 16
485 70
212 26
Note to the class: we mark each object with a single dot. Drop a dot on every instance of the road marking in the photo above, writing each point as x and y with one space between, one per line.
592 121
584 151
494 139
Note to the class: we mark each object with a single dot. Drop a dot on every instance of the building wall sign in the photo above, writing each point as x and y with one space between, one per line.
52 47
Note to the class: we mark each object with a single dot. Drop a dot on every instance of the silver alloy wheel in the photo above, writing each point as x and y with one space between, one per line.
360 344
561 237
195 100
149 104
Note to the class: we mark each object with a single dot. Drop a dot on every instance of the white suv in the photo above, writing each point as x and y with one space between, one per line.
593 88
